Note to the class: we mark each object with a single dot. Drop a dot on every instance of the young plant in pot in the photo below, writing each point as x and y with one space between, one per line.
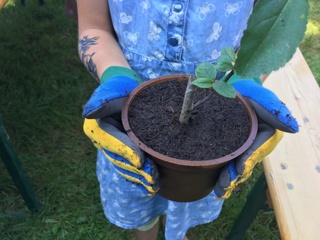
191 133
214 126
265 47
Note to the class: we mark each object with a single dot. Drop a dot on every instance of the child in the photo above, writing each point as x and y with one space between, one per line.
122 43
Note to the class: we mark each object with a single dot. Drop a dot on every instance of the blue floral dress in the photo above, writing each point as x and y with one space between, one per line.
162 37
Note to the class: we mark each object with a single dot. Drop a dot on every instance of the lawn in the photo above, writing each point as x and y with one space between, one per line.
42 88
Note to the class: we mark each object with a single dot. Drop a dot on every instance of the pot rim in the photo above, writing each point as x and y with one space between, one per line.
184 162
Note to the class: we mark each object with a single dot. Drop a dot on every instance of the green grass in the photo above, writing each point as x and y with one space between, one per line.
42 88
310 46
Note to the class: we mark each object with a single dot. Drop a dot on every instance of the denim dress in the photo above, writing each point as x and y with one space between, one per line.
158 38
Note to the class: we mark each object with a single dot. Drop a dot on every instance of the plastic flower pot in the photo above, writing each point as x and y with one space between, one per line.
184 180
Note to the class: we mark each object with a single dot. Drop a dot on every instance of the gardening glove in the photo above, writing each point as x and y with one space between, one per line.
274 118
103 126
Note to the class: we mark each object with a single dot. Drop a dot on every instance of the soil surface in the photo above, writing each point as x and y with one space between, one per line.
217 128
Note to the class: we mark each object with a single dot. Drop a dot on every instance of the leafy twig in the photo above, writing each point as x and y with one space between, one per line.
197 104
229 75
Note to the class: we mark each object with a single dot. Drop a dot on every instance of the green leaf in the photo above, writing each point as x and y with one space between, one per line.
206 70
224 89
222 79
203 82
226 61
275 30
234 78
224 66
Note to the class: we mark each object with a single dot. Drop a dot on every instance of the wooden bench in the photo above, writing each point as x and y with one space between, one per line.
292 170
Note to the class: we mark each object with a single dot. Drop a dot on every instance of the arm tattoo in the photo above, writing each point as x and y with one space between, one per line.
84 44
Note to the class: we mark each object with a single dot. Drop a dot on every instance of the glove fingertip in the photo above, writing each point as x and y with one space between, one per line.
91 111
108 98
96 101
293 126
268 106
281 113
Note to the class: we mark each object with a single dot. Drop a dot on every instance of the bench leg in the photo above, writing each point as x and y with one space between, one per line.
13 165
256 201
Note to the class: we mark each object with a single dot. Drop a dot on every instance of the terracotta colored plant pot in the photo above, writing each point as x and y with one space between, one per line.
185 180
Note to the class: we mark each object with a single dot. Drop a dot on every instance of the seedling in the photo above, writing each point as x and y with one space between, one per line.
205 77
206 74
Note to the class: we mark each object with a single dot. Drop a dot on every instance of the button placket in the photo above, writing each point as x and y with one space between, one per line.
175 30
177 7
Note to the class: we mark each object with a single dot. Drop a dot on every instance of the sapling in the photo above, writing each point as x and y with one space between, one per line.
205 77
274 31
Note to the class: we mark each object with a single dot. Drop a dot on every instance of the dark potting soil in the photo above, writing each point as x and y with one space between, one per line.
217 128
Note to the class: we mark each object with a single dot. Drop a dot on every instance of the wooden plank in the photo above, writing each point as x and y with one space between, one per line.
293 169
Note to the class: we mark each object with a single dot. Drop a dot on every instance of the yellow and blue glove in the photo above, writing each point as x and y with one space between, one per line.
274 118
103 126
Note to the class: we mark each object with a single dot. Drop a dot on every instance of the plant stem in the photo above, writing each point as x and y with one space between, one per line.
228 76
203 100
188 101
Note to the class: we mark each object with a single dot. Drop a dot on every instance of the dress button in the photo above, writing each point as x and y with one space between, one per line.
177 7
173 41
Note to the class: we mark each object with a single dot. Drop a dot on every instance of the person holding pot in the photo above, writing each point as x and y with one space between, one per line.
123 43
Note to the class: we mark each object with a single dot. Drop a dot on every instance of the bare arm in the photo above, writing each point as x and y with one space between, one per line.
98 48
